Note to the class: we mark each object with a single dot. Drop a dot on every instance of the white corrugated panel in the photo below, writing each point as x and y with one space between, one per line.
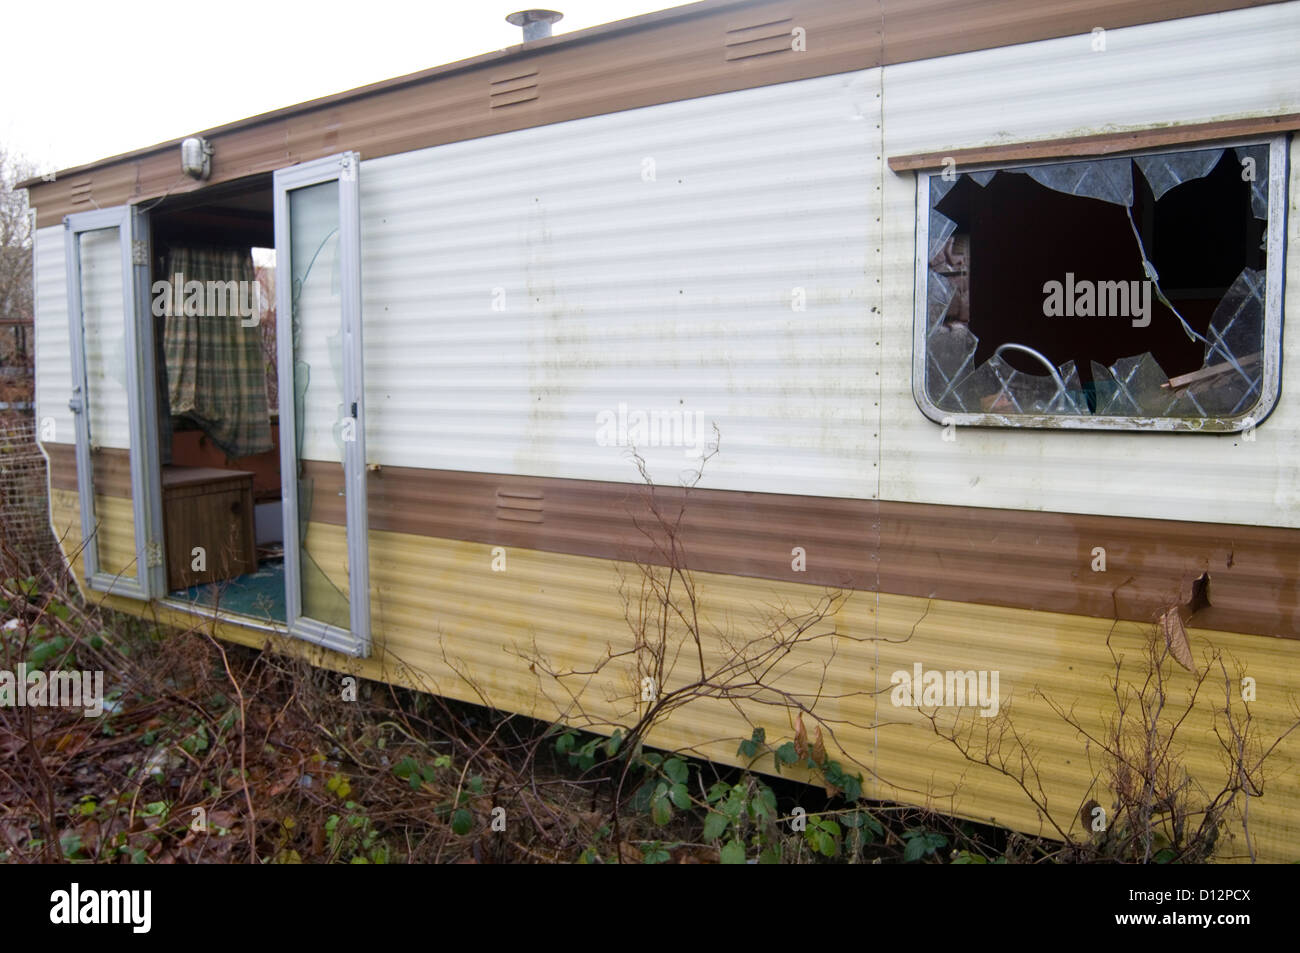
1196 69
52 356
1187 70
523 289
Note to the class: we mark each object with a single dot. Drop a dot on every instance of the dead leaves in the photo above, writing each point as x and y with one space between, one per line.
1172 621
1171 624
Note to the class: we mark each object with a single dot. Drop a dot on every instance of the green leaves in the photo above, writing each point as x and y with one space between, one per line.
676 770
732 853
785 754
415 773
661 809
750 747
762 807
849 785
43 651
661 795
823 835
921 843
715 825
656 855
461 821
867 826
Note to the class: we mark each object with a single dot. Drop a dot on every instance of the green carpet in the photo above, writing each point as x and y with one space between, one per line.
259 595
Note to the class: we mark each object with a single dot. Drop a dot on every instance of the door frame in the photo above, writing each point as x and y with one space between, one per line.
142 403
345 168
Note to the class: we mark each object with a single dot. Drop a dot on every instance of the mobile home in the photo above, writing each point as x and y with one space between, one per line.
986 301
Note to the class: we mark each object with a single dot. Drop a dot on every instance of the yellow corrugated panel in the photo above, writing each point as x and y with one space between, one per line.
116 534
446 622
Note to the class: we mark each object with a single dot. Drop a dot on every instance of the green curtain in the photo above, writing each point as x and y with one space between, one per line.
216 373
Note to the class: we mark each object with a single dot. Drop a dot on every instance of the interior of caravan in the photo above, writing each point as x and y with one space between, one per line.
213 306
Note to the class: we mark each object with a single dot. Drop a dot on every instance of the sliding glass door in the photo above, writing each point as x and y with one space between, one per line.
114 402
322 403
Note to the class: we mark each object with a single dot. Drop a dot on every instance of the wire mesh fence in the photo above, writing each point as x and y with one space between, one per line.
28 541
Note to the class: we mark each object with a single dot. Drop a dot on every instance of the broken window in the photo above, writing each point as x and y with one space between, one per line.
1130 292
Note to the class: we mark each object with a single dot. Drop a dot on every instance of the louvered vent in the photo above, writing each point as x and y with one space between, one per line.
510 90
759 39
521 506
80 192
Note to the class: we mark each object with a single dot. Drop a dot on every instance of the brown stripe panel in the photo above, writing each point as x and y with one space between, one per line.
1028 560
1103 144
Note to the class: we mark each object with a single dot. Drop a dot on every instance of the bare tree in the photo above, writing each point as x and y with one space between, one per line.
15 248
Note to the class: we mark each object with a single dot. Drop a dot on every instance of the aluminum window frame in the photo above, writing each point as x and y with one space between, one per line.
132 225
1270 384
345 168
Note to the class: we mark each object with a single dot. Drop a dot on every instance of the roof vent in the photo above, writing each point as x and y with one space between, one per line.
536 23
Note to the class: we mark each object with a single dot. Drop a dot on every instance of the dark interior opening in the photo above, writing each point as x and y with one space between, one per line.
1199 237
216 497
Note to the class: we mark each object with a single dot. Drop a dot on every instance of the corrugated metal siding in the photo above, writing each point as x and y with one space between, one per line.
52 356
1182 70
1064 659
667 295
445 622
1197 69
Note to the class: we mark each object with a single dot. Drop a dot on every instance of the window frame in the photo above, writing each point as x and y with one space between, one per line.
1270 384
343 168
132 226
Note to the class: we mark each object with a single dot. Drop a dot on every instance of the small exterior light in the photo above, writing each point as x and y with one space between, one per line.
196 157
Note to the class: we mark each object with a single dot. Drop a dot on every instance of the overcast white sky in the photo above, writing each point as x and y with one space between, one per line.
85 80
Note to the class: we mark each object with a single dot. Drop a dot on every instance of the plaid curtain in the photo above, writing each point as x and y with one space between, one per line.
216 373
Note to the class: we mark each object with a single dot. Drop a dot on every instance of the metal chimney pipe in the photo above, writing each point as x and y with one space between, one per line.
536 23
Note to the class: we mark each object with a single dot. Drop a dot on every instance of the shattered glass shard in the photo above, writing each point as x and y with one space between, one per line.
949 352
1227 395
1237 327
939 187
939 295
982 178
941 229
1074 402
1231 382
995 387
1132 387
1164 172
977 391
1110 180
1259 180
1104 387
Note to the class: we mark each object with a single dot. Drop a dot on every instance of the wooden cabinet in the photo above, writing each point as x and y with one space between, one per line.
213 509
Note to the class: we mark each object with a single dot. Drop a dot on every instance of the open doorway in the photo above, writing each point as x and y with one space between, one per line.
213 306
